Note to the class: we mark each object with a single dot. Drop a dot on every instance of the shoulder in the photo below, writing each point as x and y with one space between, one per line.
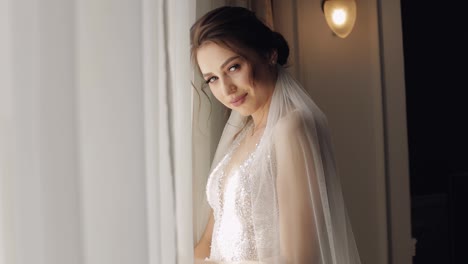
292 123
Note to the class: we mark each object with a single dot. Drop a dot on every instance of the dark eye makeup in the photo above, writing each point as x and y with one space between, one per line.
230 69
235 67
210 80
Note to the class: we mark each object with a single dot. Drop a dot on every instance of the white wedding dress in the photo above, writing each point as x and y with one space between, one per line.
229 196
284 203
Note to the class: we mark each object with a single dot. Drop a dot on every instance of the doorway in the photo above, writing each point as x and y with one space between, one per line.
437 135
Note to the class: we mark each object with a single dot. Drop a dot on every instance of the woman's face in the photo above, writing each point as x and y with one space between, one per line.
229 78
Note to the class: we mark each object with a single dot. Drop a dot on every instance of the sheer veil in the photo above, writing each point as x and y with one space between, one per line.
296 182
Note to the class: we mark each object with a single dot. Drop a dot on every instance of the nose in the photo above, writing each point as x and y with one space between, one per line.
228 86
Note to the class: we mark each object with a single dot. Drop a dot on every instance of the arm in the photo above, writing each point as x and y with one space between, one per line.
300 210
202 249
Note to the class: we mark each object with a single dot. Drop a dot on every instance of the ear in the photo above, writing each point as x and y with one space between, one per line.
273 58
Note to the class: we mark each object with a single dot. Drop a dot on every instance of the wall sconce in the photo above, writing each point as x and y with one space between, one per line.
340 16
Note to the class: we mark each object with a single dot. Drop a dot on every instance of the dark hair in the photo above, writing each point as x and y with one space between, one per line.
239 30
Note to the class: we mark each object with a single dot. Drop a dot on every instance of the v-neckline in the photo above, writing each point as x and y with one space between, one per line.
226 176
236 145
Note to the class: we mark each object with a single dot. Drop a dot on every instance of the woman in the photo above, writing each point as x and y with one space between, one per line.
273 188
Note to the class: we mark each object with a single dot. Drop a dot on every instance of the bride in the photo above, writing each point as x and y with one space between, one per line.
273 188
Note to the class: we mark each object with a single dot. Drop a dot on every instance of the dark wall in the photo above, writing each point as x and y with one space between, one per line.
436 87
436 78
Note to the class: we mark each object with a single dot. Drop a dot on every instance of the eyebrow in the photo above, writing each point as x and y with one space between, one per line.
222 65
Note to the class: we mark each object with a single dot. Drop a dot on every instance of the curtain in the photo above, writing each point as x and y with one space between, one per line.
95 121
264 10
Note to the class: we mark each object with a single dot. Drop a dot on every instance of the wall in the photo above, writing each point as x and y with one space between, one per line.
344 78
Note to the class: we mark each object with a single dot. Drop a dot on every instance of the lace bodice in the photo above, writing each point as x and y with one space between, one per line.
230 197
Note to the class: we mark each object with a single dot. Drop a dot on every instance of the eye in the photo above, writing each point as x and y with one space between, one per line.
234 67
211 79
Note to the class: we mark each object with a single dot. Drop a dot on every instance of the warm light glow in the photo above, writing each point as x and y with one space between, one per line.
340 16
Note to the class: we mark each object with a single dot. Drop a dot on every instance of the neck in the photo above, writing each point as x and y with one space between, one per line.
260 116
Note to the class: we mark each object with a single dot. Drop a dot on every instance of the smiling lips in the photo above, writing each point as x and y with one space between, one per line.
238 100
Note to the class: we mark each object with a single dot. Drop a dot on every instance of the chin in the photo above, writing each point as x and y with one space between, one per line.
243 112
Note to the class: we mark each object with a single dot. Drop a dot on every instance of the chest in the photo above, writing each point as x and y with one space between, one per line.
229 186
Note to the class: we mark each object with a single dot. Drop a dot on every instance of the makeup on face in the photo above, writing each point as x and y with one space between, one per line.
229 77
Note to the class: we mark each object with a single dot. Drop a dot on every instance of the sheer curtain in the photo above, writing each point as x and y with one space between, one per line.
95 148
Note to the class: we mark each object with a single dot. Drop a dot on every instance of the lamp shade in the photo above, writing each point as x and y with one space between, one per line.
340 16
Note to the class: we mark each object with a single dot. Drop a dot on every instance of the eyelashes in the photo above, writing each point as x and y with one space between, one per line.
209 80
235 66
232 68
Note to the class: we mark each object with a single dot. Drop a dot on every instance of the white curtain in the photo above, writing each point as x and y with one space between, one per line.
95 121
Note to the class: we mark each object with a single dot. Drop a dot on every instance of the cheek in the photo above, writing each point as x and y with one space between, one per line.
217 94
246 77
